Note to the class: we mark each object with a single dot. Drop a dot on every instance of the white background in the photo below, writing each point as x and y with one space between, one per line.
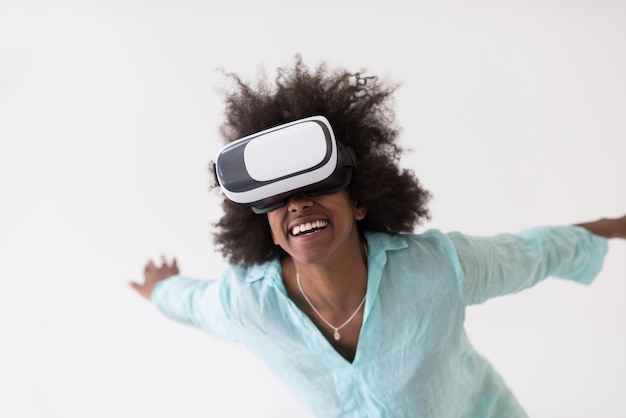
109 116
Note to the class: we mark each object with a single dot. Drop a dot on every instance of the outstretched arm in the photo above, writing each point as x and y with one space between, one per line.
205 304
153 274
607 228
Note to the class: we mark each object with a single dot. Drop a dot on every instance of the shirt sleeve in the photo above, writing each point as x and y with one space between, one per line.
200 303
493 266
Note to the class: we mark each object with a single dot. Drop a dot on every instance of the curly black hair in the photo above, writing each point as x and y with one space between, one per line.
358 109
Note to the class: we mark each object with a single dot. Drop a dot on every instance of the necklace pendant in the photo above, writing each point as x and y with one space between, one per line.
336 335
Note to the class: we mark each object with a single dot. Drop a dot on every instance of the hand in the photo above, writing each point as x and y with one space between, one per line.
153 274
608 228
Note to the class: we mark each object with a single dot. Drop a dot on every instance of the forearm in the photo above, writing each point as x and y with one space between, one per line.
508 263
181 298
607 227
200 303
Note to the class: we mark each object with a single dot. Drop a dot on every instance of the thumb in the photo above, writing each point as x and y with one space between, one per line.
143 290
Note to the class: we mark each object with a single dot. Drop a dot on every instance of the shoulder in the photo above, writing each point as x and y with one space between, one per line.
427 248
388 242
422 265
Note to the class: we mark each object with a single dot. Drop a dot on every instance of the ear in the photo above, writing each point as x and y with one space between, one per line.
359 211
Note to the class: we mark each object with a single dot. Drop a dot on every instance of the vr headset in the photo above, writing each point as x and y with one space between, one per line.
263 169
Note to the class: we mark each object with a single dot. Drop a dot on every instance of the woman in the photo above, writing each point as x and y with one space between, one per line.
358 316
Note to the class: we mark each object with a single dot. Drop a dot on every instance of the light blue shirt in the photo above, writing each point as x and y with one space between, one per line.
413 357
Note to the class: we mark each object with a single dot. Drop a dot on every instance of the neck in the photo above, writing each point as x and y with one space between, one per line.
335 286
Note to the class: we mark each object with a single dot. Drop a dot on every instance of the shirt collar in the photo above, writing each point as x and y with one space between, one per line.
270 270
378 244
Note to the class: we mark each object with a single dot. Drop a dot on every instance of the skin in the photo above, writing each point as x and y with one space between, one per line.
606 227
152 274
332 261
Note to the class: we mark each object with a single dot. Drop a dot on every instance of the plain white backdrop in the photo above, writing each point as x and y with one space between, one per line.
109 116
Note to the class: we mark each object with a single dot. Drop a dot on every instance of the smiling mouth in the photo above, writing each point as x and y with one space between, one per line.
308 227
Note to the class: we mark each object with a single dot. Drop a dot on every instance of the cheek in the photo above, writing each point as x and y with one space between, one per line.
274 227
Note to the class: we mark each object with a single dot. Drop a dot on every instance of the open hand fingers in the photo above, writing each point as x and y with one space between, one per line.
154 273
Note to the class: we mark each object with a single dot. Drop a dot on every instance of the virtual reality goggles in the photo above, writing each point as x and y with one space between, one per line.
263 169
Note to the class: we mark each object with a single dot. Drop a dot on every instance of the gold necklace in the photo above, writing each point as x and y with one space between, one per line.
336 334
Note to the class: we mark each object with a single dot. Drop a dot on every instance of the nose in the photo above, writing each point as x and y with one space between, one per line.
299 202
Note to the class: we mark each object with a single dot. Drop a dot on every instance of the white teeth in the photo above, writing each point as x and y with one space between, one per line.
309 226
